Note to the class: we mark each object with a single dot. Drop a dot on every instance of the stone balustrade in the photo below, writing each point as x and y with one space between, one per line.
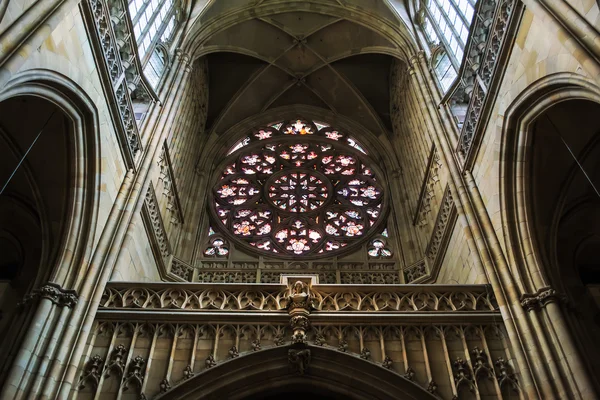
150 338
115 50
482 70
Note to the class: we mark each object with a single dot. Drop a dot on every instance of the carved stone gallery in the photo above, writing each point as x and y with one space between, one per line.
332 199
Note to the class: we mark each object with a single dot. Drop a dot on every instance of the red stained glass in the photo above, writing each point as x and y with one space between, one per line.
298 192
307 193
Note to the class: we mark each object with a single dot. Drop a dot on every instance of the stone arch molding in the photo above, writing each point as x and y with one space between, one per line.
532 271
393 30
378 147
302 53
75 103
328 370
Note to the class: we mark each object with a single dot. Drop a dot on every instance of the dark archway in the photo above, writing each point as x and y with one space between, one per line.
48 159
297 393
331 374
550 206
565 209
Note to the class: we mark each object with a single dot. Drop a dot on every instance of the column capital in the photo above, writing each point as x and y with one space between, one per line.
539 299
53 292
182 55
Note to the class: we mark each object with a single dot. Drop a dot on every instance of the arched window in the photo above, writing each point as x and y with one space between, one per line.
446 25
153 21
156 65
292 189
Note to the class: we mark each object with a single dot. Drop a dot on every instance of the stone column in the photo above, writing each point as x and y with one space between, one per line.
61 349
505 291
542 374
54 302
176 80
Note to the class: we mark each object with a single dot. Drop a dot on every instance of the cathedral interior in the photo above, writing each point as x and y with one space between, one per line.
319 199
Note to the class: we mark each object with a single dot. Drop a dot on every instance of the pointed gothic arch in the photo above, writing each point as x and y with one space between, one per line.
535 207
54 187
268 372
395 31
378 147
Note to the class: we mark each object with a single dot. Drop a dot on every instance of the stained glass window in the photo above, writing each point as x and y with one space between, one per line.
300 190
378 247
217 248
297 127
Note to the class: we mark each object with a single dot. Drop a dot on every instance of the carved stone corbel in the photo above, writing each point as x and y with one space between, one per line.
365 354
116 362
299 359
505 376
210 361
320 340
188 372
463 375
233 352
387 363
410 374
165 386
136 373
432 387
299 306
343 346
480 365
92 372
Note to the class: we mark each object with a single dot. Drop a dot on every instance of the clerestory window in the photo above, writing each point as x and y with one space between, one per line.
154 22
446 26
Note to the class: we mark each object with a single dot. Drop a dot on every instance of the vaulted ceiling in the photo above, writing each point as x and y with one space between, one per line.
331 54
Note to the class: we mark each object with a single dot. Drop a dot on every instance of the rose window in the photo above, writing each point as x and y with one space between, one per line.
298 189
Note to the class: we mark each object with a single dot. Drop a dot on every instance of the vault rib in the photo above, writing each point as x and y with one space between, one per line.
238 95
306 35
353 89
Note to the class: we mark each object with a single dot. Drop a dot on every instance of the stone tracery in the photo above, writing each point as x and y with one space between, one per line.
306 191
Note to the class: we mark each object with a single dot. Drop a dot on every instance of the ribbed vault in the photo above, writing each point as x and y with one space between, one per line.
334 55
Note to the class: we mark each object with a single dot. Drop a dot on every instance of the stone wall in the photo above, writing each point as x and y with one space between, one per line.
533 57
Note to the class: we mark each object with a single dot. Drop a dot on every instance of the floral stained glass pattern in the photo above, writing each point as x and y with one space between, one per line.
308 193
298 191
378 248
300 128
217 248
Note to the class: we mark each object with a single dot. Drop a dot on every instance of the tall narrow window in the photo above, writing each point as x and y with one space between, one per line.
154 69
446 23
154 21
444 70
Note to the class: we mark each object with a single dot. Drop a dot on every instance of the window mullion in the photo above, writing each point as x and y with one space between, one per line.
445 43
430 21
460 14
158 35
139 12
149 24
452 28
